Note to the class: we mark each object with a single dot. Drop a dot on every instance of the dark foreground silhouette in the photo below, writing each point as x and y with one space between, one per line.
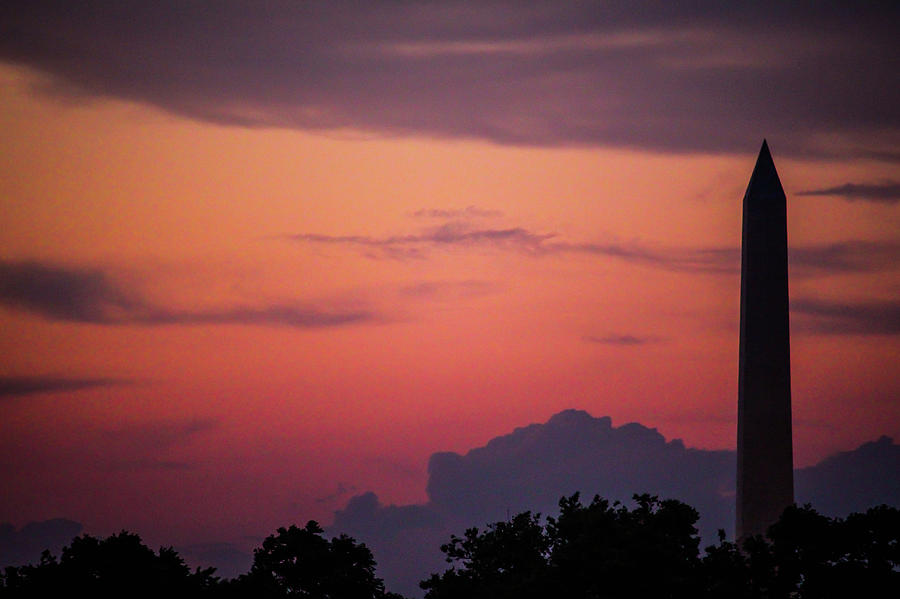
605 550
590 551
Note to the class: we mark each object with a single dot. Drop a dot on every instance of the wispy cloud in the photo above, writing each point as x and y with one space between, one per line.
452 234
151 464
621 340
844 257
16 386
880 193
146 446
89 296
842 318
700 260
64 293
275 315
806 260
448 289
469 212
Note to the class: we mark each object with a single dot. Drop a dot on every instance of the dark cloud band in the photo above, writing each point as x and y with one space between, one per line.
879 193
683 77
16 386
620 340
89 296
841 318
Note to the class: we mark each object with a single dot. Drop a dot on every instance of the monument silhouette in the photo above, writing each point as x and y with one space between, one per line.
765 483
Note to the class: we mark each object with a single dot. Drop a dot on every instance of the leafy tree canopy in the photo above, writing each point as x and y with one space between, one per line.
119 565
604 550
300 562
590 551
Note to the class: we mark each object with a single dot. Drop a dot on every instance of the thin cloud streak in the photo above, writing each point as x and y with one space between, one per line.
458 213
448 290
460 235
879 193
277 315
840 318
696 260
854 256
84 295
144 446
18 386
403 247
621 340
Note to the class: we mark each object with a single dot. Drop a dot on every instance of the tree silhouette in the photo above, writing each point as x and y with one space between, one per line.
595 550
809 555
509 559
300 562
604 550
120 565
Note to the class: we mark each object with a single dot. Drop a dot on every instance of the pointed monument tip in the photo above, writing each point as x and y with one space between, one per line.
764 154
765 176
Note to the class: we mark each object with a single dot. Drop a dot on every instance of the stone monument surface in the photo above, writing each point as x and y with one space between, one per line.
765 484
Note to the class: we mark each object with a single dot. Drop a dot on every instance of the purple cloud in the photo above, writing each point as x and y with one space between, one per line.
620 340
17 386
854 256
87 295
533 466
879 193
468 212
842 318
452 234
681 77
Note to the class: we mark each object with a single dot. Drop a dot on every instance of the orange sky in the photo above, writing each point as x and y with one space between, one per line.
456 341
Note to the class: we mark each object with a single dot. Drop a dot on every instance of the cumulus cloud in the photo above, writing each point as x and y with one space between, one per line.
701 76
404 539
87 295
532 467
852 481
879 193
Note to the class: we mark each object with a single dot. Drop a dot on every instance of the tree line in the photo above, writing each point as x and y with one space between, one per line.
593 550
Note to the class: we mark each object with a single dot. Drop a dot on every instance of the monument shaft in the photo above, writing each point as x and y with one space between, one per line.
765 483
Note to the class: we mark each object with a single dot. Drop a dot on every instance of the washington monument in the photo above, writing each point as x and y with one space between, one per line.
765 477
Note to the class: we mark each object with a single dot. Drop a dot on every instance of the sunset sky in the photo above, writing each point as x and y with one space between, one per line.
255 261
